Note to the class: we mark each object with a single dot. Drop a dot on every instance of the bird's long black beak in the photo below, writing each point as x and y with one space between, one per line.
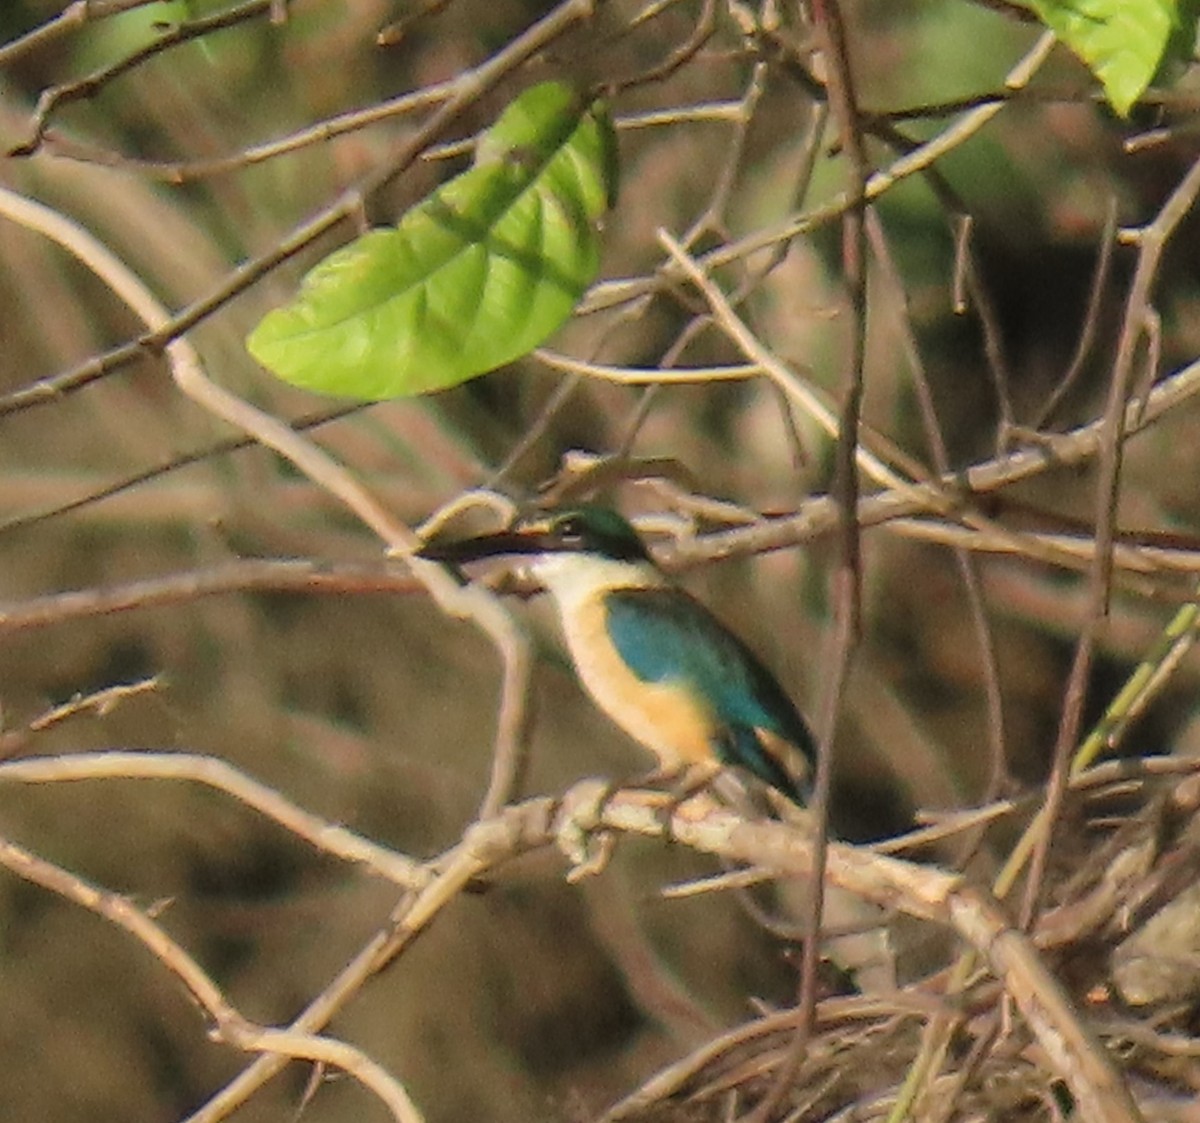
504 543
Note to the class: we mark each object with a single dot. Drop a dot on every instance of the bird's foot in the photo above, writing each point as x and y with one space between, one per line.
577 832
682 785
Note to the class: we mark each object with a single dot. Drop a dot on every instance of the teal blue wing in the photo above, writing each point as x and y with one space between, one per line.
664 635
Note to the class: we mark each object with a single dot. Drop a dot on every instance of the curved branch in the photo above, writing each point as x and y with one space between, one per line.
215 773
228 1024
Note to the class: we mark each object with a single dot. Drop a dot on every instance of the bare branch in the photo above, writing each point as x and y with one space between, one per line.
228 1025
215 773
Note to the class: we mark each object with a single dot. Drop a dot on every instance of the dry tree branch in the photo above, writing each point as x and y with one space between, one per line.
395 31
215 773
73 16
1091 319
846 629
704 29
1151 241
1067 551
712 217
672 1079
1051 451
100 702
178 172
794 387
1129 774
472 601
92 84
607 294
924 892
948 500
183 171
665 374
843 100
183 460
276 575
591 806
485 845
228 1025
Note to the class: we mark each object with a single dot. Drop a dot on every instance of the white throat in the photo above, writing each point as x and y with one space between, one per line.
574 578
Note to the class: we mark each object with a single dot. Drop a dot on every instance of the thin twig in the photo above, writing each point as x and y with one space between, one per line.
215 773
275 575
183 171
610 293
847 592
90 85
71 18
183 460
1091 318
1053 451
797 391
941 462
1151 240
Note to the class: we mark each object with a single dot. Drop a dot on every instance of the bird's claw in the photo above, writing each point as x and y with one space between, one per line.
577 832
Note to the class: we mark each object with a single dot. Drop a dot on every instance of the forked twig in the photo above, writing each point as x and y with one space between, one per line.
228 1025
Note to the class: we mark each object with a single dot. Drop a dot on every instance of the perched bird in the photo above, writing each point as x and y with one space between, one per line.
658 662
670 674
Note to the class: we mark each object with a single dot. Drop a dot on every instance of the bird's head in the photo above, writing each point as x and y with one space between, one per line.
566 549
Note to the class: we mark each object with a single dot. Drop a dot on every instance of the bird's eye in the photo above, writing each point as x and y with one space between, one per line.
570 529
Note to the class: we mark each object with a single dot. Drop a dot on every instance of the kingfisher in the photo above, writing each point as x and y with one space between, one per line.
655 659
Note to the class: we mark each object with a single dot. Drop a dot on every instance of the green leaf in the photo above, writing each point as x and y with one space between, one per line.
1121 41
474 276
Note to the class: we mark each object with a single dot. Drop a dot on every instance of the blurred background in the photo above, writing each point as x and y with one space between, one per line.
362 702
